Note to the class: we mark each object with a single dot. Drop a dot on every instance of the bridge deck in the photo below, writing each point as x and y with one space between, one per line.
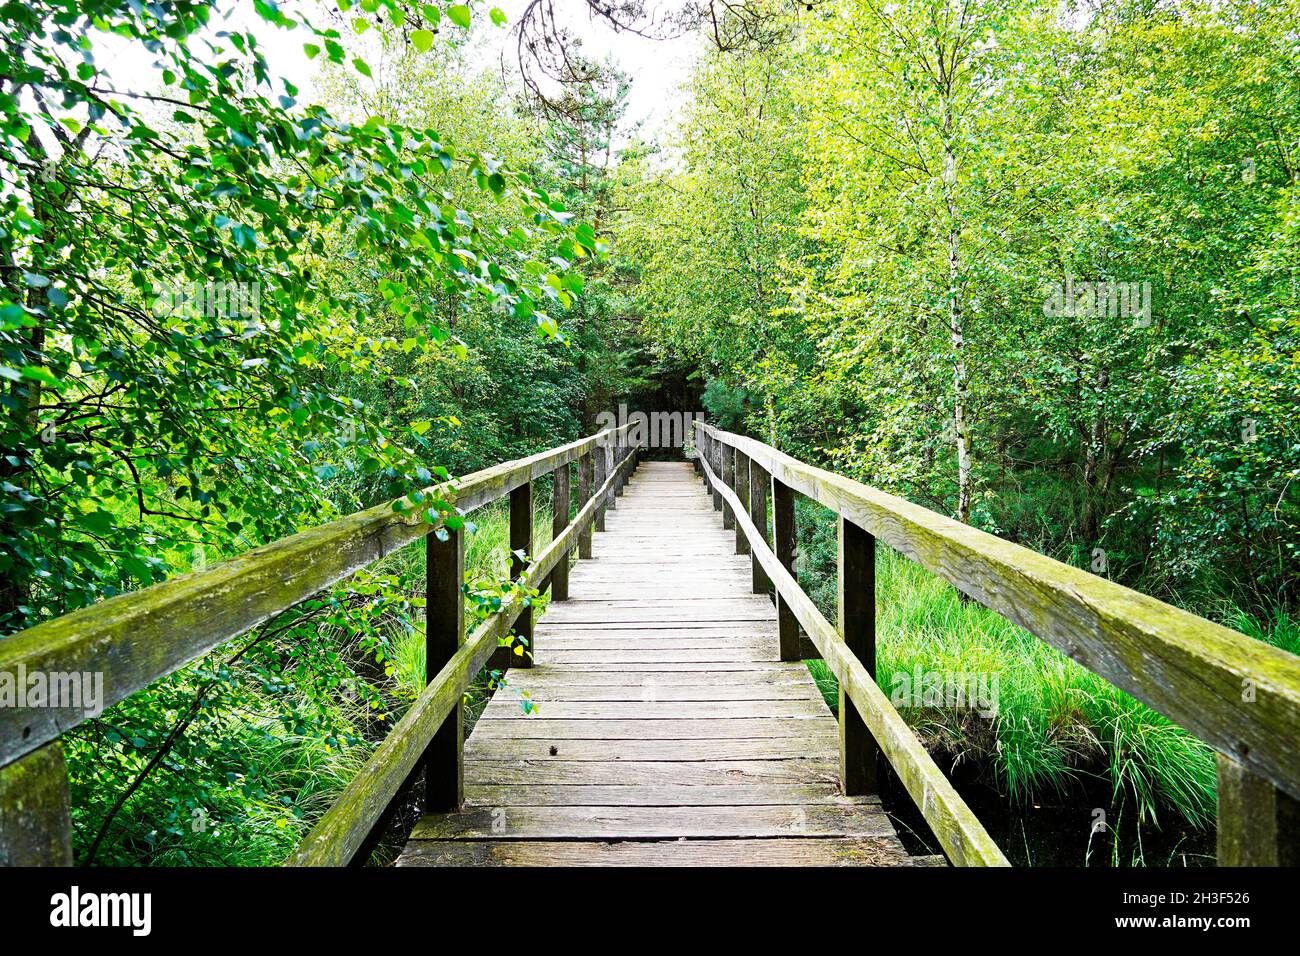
669 731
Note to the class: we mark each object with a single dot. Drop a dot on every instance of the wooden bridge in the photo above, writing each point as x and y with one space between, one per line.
675 721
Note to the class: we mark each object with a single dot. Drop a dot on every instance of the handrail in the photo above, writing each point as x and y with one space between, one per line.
962 836
1239 695
346 826
137 638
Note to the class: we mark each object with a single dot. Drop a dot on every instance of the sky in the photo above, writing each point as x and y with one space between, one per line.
657 68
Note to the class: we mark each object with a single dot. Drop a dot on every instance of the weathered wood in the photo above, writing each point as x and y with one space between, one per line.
1195 672
740 479
137 638
652 708
857 614
35 825
547 677
793 728
759 483
726 748
648 823
345 828
611 467
813 851
680 773
662 795
444 619
728 478
586 475
521 542
783 536
961 835
559 521
601 458
681 655
1259 825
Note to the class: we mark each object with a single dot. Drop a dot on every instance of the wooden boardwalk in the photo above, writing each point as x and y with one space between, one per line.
669 732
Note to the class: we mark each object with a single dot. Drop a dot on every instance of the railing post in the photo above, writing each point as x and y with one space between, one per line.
36 826
857 607
741 483
444 633
729 479
783 537
1259 825
602 472
621 457
584 495
521 540
759 482
560 521
611 462
715 461
702 451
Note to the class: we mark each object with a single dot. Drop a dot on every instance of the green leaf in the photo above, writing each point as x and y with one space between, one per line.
459 15
422 40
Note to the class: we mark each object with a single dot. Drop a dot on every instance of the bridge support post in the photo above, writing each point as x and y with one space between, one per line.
1259 825
36 825
585 471
741 482
857 620
715 462
728 476
521 540
619 458
602 472
560 521
759 481
444 633
611 462
783 537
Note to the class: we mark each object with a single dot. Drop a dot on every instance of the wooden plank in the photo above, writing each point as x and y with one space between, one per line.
552 771
651 634
649 823
631 692
735 748
682 655
654 708
761 648
1191 670
36 826
547 676
875 851
649 667
662 795
795 730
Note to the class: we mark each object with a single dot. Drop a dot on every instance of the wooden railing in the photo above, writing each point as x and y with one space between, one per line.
137 638
1239 695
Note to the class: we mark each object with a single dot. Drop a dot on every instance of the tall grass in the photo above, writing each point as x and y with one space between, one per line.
1057 725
